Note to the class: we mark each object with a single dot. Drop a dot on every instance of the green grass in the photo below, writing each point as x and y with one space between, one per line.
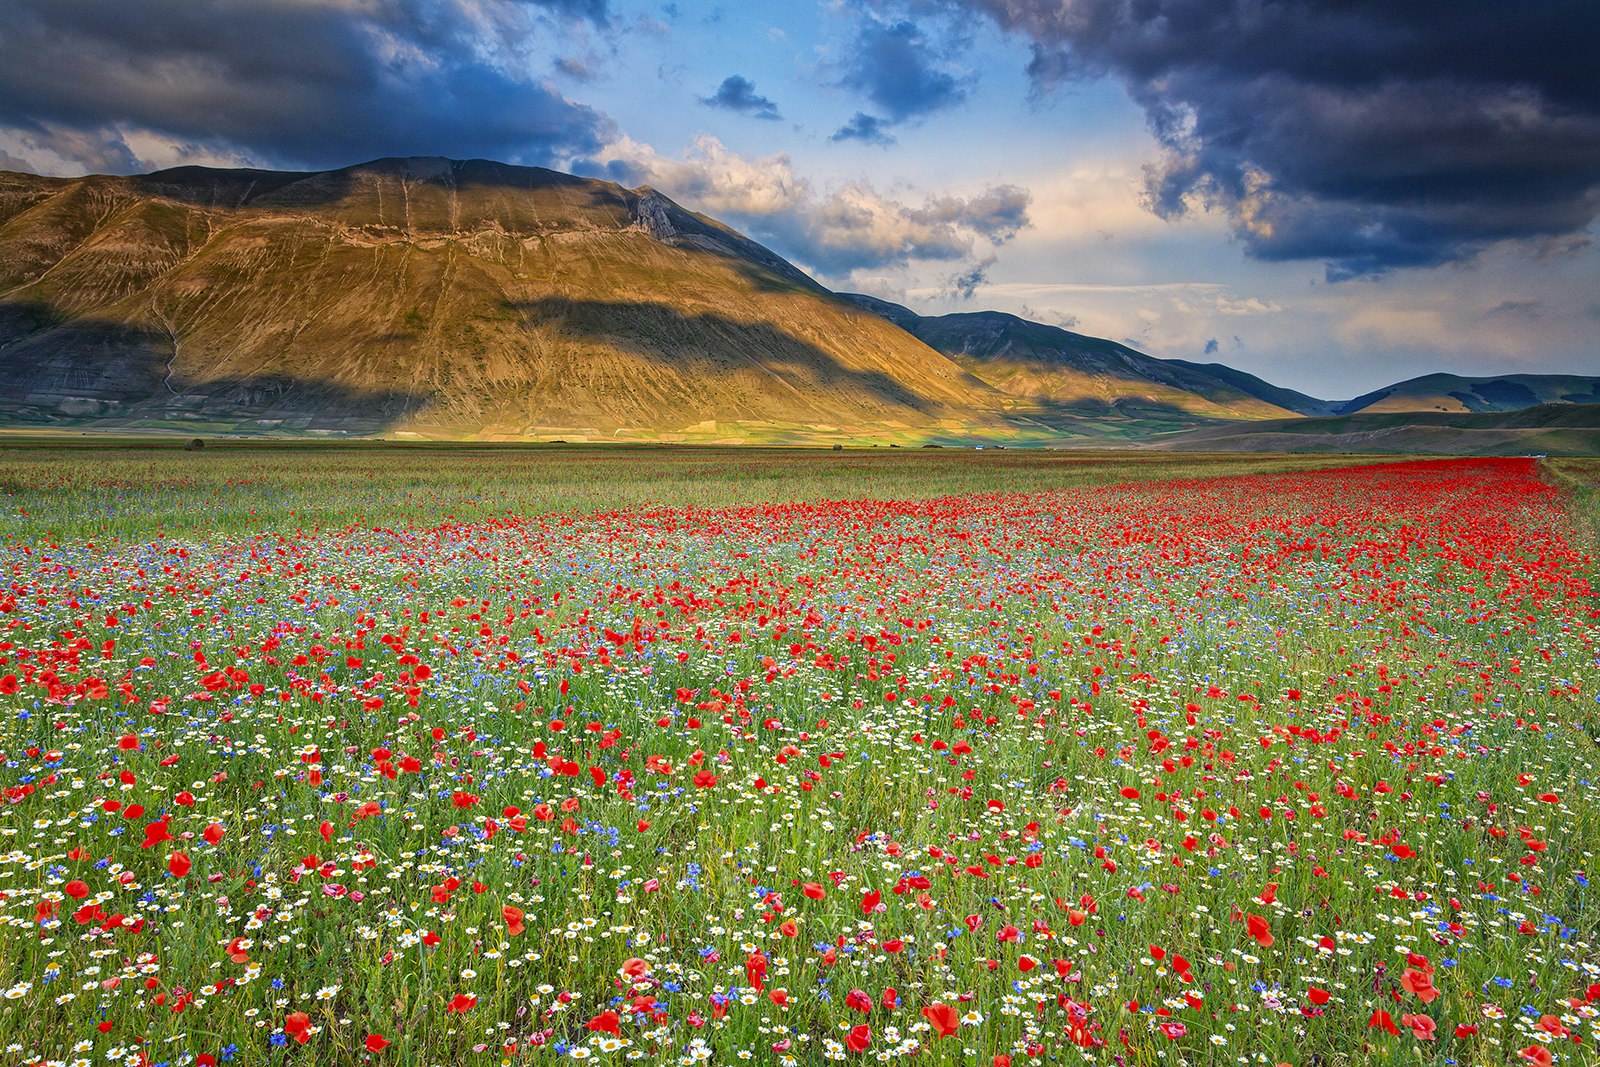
139 489
1579 479
1364 595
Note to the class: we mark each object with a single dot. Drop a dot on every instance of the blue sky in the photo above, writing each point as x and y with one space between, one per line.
1333 196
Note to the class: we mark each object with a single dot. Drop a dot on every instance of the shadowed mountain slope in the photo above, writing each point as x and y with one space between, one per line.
1548 429
1088 376
1451 392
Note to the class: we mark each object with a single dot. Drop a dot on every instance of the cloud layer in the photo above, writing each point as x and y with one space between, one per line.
1371 135
837 231
287 82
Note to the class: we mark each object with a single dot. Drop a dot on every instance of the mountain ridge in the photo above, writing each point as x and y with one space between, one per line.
422 296
1443 391
1034 359
445 298
1545 429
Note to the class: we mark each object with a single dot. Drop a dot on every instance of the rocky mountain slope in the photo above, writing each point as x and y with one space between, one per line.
437 297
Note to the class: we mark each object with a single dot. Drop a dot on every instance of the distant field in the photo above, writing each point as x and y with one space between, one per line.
1580 480
1549 429
139 489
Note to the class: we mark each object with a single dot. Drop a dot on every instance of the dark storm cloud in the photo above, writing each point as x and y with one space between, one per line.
903 71
301 84
738 93
864 127
1367 133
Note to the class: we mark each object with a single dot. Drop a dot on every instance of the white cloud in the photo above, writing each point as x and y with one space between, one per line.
712 178
835 231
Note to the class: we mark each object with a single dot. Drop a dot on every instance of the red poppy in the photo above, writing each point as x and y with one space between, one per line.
943 1017
755 970
298 1026
1419 983
607 1022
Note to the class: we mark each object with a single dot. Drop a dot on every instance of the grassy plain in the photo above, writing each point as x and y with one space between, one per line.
137 488
478 756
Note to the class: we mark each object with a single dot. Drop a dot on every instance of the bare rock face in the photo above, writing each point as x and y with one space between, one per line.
443 297
653 218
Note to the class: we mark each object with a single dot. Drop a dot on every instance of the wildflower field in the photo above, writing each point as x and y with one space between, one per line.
1048 760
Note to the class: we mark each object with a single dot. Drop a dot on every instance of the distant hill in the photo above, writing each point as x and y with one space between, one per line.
1548 429
1451 392
1088 377
448 298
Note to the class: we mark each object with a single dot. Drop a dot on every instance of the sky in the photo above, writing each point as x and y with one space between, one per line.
1332 194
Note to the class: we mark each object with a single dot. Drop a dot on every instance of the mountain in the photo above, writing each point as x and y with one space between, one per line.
438 297
1546 429
472 299
1106 381
1261 389
1451 392
1089 377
